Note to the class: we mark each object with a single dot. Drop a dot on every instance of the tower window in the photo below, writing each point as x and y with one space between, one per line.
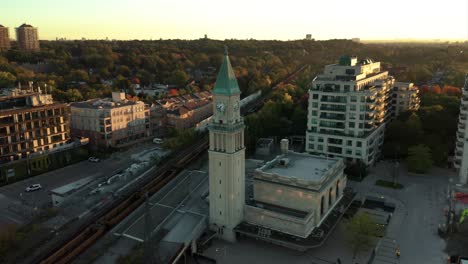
220 164
220 213
220 196
219 181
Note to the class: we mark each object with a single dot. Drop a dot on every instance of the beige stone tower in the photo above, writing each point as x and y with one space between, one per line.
226 155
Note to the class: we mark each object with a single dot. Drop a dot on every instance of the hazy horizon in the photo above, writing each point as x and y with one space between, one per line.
262 20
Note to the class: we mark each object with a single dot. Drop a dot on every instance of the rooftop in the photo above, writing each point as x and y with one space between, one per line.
69 188
104 103
25 25
226 82
300 166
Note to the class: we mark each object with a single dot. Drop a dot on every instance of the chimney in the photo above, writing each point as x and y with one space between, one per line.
284 145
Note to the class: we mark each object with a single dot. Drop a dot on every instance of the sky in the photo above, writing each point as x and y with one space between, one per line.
239 19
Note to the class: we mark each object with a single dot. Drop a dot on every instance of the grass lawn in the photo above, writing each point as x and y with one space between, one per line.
389 184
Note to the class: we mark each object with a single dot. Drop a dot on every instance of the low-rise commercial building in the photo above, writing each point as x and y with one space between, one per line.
115 122
294 192
30 122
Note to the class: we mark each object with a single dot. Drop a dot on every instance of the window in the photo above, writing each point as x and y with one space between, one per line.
351 124
311 138
314 96
349 143
320 139
314 113
311 146
352 107
349 151
359 144
358 153
319 147
220 213
353 98
314 105
363 99
314 121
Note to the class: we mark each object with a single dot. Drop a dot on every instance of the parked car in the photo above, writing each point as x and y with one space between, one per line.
93 159
158 140
33 187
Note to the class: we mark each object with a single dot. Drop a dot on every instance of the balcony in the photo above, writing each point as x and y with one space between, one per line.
332 116
334 108
333 100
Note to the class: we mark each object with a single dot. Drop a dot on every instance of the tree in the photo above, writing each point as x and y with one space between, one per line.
73 95
419 158
178 78
361 230
7 79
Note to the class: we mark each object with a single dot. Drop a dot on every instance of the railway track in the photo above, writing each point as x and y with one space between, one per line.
87 236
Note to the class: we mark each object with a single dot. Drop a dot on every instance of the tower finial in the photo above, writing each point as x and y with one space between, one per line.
225 50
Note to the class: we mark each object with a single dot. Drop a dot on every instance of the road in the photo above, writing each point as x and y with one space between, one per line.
15 202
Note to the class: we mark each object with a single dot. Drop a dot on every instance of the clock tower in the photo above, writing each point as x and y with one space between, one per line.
226 155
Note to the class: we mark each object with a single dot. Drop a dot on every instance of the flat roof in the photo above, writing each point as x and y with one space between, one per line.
71 187
301 166
106 103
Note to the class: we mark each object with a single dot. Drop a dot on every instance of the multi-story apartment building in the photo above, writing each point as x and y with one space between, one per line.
115 122
349 104
184 111
4 38
461 150
30 122
27 37
405 96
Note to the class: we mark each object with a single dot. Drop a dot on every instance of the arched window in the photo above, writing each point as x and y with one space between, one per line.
321 207
337 193
330 197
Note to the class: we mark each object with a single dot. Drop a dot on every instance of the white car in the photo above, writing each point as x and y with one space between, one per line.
33 187
93 159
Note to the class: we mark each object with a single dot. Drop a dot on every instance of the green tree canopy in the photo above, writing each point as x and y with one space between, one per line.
419 158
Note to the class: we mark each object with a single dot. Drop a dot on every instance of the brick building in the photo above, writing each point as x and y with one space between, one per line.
27 37
30 122
182 111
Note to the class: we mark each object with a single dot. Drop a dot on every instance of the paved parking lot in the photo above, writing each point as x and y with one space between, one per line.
14 201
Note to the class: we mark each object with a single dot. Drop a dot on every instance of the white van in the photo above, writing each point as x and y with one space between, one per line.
158 140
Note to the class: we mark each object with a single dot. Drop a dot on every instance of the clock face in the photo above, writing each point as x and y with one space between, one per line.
220 107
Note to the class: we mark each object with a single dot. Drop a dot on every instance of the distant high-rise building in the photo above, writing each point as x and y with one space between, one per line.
27 37
349 104
4 38
309 36
461 150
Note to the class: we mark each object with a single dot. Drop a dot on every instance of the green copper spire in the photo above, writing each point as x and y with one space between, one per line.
226 82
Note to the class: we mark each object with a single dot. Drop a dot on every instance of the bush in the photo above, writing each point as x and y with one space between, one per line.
389 184
356 171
